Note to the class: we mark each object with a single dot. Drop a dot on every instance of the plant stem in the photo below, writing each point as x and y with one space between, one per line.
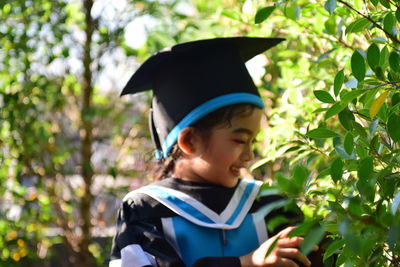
391 36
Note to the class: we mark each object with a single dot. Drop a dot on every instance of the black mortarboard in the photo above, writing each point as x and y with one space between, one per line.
192 79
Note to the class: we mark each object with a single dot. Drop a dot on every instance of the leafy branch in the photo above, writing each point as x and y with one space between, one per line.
391 36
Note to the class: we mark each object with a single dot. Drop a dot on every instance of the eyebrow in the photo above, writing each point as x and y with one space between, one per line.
243 130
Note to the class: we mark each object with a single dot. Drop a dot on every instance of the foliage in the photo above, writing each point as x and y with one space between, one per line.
331 89
43 84
346 55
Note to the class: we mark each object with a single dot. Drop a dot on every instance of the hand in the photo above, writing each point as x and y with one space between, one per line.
284 254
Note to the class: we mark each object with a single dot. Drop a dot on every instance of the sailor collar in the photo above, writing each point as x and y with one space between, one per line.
196 212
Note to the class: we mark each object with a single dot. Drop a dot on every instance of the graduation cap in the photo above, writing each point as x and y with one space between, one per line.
191 80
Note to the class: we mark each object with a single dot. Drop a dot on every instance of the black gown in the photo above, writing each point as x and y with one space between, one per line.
180 223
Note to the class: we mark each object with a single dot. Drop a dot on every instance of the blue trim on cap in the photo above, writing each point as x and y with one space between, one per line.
206 108
157 154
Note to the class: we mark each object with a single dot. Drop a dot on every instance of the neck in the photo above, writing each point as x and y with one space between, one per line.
184 171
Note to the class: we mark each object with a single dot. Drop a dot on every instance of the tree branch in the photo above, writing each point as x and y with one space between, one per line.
86 137
392 37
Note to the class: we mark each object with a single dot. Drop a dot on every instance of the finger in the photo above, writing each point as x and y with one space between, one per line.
285 232
290 242
283 262
315 248
293 253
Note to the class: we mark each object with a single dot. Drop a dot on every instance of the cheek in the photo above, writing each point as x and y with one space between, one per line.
224 151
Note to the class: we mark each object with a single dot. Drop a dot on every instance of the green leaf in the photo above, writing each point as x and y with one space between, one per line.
323 173
383 59
358 4
379 73
6 9
394 61
271 248
263 13
303 228
333 248
312 239
398 15
292 12
373 54
359 129
231 14
287 185
395 99
358 66
385 3
330 6
394 236
342 153
393 125
300 174
324 96
337 84
366 169
358 25
337 207
341 260
377 104
335 109
348 143
330 25
349 96
388 22
336 170
355 207
365 184
321 133
374 144
374 2
276 222
346 118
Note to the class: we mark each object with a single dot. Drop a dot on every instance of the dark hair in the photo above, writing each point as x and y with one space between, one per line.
221 117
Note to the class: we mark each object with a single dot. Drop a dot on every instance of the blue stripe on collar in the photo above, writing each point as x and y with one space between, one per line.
180 203
196 212
243 200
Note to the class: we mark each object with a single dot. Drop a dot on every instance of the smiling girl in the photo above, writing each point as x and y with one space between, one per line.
205 115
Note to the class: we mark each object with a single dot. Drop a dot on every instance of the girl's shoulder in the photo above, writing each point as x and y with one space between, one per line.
137 205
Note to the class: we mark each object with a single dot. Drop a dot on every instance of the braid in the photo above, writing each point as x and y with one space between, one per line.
166 166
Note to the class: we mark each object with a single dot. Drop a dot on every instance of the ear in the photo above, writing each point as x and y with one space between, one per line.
186 140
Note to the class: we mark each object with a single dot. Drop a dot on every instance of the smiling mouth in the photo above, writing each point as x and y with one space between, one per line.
236 170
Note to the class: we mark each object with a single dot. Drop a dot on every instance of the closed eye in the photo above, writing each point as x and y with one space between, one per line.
239 141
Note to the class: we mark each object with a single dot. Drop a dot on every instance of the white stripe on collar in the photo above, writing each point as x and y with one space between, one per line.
196 212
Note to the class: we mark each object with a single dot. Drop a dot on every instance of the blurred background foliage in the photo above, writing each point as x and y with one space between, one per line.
71 148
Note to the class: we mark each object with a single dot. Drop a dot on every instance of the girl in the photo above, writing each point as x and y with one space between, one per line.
205 114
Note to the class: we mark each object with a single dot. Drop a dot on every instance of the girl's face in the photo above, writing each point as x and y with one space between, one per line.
227 150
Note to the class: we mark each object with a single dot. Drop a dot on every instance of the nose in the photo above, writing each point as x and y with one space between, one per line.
247 154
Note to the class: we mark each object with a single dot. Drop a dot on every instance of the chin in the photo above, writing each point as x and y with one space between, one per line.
231 182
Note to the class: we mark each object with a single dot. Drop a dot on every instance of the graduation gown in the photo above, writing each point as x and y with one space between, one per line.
174 222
